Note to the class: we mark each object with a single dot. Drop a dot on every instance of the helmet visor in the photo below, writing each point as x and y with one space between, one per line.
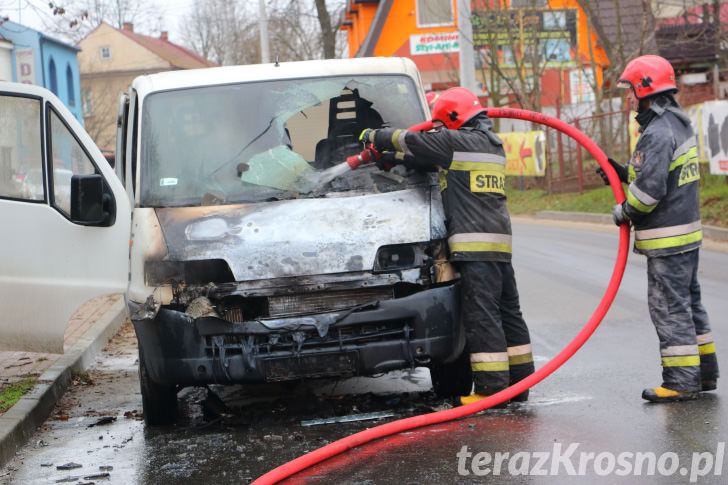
624 84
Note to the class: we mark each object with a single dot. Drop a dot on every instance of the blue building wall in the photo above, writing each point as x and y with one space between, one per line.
55 64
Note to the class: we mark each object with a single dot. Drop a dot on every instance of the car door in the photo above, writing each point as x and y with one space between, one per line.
52 260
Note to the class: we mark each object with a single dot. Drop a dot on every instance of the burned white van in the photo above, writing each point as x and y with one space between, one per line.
247 263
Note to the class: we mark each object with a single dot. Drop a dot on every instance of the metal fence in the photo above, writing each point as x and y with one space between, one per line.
570 168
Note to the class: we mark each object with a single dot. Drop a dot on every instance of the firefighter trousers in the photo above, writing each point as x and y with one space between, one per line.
686 342
497 336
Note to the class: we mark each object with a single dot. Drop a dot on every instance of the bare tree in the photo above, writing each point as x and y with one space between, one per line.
98 120
74 19
328 30
226 31
305 29
625 28
216 30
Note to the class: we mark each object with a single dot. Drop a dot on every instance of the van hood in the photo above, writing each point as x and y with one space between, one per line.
301 237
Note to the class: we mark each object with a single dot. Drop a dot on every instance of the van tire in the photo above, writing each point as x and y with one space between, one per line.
158 402
452 379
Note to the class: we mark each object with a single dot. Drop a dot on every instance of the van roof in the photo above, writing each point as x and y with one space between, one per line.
189 78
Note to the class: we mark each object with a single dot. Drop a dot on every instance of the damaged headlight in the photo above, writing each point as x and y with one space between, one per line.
398 257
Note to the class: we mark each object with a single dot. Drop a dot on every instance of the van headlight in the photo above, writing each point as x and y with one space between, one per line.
398 257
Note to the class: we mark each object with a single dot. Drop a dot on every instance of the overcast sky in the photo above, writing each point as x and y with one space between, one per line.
33 12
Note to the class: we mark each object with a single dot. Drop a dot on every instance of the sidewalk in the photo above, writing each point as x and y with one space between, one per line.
88 332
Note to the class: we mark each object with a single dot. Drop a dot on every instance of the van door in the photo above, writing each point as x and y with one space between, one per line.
52 259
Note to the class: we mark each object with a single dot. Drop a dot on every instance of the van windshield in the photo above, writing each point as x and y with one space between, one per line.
269 140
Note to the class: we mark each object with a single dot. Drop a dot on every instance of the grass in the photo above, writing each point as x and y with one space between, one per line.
80 376
713 201
13 392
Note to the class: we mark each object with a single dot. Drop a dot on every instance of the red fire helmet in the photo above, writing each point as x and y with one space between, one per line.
455 106
648 75
431 98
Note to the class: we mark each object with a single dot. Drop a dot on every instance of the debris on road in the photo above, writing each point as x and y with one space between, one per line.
97 476
348 419
102 421
69 466
68 479
134 414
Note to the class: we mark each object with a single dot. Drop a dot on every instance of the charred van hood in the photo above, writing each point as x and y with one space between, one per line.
300 237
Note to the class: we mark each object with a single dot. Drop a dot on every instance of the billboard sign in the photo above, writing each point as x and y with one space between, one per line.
25 66
439 43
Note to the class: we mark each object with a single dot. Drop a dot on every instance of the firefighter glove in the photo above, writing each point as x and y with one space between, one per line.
622 172
618 215
367 136
388 160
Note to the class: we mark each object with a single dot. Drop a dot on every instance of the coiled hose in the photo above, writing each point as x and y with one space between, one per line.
332 449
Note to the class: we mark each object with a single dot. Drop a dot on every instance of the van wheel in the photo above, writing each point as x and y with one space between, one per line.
452 379
159 402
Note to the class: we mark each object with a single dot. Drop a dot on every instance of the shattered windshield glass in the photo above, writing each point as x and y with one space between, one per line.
270 140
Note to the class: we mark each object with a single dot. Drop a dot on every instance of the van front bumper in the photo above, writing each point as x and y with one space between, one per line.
370 339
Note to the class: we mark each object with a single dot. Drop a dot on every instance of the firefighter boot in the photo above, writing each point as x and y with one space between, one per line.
522 397
662 394
708 385
475 397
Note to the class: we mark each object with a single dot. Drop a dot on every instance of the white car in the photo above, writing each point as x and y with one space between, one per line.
248 264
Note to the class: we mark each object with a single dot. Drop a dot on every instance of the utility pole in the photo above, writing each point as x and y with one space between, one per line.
467 61
263 26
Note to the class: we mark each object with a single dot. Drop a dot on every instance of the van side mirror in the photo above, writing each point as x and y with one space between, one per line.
89 203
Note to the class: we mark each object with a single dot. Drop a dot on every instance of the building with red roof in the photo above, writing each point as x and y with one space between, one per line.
110 59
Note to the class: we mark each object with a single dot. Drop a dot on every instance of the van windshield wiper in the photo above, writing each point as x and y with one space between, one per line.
242 150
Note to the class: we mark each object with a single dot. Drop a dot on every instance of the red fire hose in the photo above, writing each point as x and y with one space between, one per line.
321 454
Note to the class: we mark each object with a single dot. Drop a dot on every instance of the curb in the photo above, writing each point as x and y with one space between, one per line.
19 423
717 233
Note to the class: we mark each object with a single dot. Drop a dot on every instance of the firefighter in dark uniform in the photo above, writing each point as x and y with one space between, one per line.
662 203
471 163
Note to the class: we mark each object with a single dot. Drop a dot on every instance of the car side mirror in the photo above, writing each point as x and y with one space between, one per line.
89 204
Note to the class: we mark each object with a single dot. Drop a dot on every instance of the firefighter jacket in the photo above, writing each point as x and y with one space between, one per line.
662 200
471 164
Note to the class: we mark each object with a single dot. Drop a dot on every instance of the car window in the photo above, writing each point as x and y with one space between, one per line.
268 140
20 148
68 159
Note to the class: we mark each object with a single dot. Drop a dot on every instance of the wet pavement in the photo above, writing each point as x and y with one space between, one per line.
585 423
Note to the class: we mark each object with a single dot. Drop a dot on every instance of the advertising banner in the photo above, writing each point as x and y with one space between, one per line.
525 153
440 43
25 66
714 119
695 113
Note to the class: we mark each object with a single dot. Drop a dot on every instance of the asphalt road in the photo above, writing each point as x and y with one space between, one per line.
586 423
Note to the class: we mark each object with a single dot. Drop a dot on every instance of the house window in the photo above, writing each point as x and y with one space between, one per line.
53 77
105 53
87 103
434 13
70 87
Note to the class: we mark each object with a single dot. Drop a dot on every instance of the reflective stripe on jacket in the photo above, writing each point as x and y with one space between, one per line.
662 199
471 164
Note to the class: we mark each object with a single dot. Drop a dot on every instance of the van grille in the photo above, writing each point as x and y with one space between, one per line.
287 305
336 339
